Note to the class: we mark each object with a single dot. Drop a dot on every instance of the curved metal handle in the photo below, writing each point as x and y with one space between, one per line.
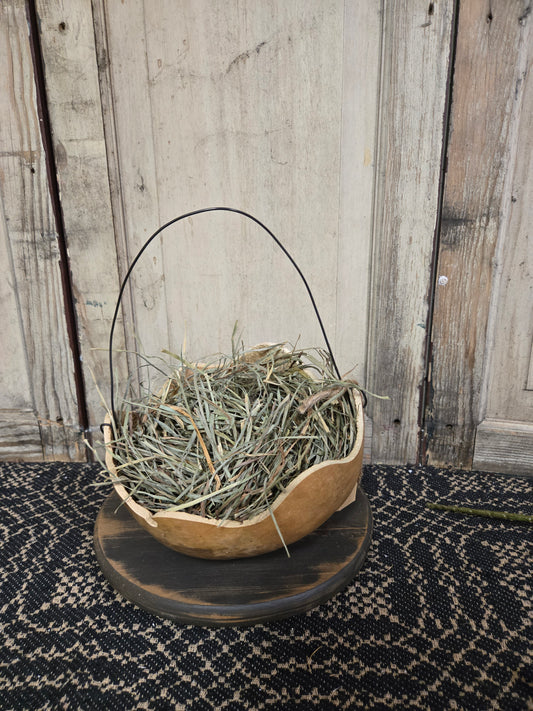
183 217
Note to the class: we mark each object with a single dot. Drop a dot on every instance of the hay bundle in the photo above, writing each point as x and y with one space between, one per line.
222 439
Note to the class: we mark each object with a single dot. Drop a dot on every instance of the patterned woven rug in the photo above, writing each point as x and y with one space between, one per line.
439 617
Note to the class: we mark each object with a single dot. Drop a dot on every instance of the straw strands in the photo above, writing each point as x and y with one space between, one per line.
222 439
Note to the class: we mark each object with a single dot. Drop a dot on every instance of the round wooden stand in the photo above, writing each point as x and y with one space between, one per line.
243 591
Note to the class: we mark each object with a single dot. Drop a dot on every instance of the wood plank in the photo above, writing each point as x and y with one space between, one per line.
504 446
33 248
15 389
73 94
245 108
487 90
20 436
415 57
508 370
131 163
360 96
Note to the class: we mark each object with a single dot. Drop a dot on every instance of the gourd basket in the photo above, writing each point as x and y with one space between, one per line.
307 502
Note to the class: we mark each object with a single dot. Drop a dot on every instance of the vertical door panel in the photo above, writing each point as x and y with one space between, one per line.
475 234
73 98
504 439
20 435
44 396
416 50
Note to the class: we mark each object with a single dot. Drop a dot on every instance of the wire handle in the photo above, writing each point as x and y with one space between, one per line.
183 217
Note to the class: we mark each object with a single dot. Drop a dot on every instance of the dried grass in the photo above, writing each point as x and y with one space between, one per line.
222 439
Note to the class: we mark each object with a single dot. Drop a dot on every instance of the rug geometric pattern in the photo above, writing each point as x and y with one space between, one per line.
439 617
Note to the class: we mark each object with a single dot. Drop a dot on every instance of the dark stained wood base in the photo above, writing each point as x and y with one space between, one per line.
244 591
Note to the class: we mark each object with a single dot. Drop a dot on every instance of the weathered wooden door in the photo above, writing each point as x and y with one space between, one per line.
382 142
480 390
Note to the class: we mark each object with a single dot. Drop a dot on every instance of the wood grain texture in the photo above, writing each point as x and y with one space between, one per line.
20 436
124 90
15 389
360 94
33 266
508 363
504 446
255 123
488 92
415 55
73 94
252 106
231 592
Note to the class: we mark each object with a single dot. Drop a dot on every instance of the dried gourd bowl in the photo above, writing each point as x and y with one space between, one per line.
309 500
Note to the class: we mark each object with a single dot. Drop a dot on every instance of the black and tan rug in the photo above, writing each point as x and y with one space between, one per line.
439 617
